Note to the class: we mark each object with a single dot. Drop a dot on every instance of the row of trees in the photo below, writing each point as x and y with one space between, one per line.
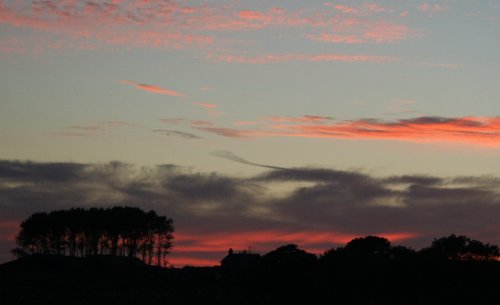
116 231
370 250
453 247
368 270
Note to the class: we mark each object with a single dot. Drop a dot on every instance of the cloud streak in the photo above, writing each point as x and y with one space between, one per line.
152 88
206 105
182 134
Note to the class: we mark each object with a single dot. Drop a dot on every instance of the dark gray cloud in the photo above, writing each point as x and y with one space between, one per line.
309 199
40 172
415 179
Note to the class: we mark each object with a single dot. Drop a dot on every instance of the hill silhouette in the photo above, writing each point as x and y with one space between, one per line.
367 270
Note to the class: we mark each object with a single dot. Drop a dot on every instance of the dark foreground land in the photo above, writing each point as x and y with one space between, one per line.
40 279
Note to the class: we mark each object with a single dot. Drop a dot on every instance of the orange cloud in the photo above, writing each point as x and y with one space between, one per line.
153 89
471 130
479 131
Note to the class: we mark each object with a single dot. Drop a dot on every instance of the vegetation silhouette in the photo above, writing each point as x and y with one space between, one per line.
116 231
109 264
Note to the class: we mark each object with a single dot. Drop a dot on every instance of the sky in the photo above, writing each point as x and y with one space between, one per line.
257 123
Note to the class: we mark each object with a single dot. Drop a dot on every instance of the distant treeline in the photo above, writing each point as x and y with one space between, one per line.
367 270
116 231
369 249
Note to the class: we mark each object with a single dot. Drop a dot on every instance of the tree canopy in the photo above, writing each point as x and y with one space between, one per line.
462 247
116 231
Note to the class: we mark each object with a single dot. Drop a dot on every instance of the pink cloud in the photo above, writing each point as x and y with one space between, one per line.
171 24
356 31
377 8
206 105
426 7
135 23
152 88
476 131
349 39
345 9
254 15
383 32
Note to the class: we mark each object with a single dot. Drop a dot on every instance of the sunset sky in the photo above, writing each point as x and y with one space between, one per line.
255 123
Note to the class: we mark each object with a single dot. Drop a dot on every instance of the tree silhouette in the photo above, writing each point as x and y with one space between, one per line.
117 231
461 247
288 259
368 246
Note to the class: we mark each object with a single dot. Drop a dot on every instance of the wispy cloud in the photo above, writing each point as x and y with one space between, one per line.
345 9
247 123
207 89
182 134
302 119
277 58
440 65
173 121
201 123
255 15
401 106
152 88
206 105
427 7
225 154
229 132
94 128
